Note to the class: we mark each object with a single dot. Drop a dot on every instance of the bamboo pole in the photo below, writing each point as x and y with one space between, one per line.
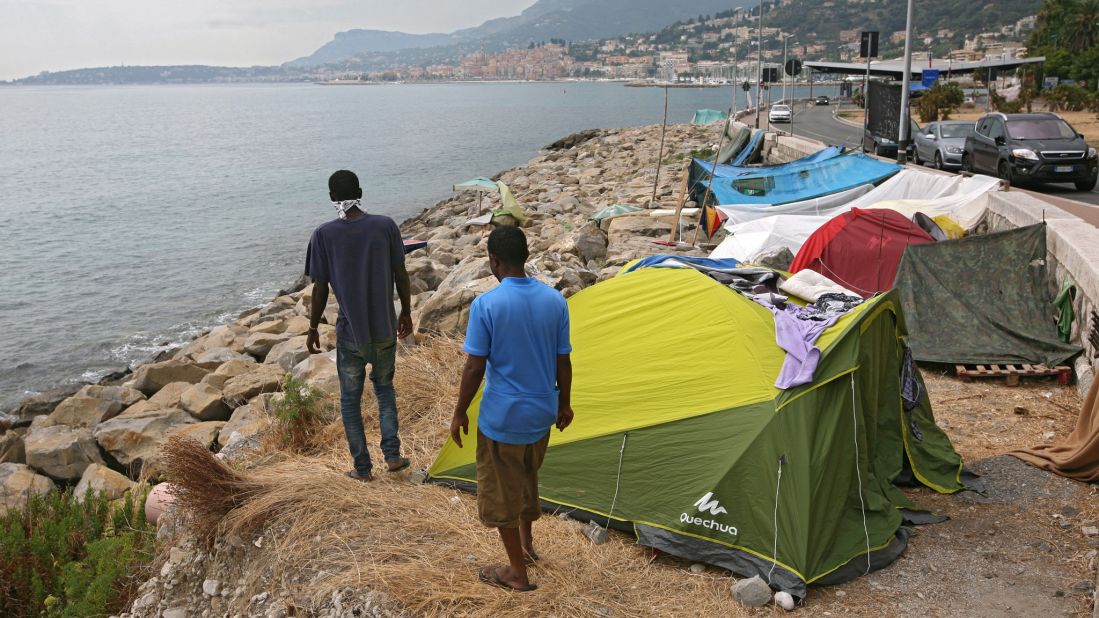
682 200
660 154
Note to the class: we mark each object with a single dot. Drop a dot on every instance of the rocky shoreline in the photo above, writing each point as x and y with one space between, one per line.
216 388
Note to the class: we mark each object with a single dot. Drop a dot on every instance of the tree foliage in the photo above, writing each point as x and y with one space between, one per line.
939 101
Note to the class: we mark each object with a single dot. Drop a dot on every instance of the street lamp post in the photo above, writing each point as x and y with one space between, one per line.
759 65
903 137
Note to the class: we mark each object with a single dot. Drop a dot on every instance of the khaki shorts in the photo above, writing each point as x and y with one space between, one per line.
507 481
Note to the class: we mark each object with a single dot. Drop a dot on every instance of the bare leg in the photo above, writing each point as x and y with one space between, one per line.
515 574
526 536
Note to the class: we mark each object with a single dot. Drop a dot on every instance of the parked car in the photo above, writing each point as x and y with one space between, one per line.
884 146
780 113
1038 147
942 143
823 100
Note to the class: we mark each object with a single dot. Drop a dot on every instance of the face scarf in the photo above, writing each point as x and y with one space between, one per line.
346 205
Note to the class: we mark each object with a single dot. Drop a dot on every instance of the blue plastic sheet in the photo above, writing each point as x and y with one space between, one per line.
746 153
730 171
794 183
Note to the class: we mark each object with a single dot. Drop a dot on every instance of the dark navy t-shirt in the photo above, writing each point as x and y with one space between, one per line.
521 326
357 257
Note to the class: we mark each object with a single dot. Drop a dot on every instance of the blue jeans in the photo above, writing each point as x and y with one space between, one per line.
351 362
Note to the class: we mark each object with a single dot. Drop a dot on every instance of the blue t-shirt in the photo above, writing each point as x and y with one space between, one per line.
522 325
357 257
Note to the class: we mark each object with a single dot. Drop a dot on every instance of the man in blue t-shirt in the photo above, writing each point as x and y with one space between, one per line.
361 256
519 332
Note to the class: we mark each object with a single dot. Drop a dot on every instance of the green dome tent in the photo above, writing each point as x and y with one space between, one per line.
681 438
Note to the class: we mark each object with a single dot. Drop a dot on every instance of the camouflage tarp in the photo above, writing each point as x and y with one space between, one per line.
981 300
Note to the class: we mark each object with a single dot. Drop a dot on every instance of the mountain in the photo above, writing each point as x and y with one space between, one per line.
572 20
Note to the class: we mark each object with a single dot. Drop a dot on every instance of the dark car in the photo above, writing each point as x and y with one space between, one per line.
1038 147
823 100
886 147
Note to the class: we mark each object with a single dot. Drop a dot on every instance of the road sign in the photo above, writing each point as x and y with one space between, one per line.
929 77
770 74
745 86
793 66
868 47
1049 82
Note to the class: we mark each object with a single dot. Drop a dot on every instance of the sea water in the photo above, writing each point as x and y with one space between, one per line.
132 218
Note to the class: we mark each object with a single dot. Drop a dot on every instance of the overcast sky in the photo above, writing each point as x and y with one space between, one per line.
52 35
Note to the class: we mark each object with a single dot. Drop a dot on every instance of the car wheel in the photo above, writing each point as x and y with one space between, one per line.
967 163
916 157
1085 185
938 160
1004 172
877 150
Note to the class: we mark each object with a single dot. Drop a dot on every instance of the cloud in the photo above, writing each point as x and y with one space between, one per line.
39 35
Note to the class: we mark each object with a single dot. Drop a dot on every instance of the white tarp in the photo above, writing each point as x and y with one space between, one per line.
966 205
820 206
751 239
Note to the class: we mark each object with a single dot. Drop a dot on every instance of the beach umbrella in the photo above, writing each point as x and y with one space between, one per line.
480 185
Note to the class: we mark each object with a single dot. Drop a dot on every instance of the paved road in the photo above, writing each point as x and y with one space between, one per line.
819 124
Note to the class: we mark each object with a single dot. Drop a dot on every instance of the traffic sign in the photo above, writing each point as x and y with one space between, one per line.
793 66
868 46
929 77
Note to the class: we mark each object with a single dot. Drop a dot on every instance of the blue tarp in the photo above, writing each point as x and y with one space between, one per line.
707 116
804 181
730 171
743 157
680 261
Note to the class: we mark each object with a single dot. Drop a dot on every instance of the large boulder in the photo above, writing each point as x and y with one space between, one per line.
205 433
101 479
272 326
134 437
259 344
297 325
43 403
152 377
169 396
319 370
262 379
11 446
60 452
236 367
288 353
212 359
247 421
18 483
92 405
204 402
447 311
220 337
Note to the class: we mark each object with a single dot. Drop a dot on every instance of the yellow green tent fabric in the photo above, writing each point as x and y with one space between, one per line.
679 433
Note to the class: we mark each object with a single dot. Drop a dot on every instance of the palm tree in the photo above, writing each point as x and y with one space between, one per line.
1082 27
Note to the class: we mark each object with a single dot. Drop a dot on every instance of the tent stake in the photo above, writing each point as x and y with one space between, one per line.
660 154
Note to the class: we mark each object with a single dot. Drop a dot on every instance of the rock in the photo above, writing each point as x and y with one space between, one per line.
1084 585
235 367
18 482
43 403
447 309
319 370
697 568
262 378
134 437
11 447
61 453
216 380
297 325
269 326
259 344
212 359
246 421
596 534
205 433
211 587
590 243
780 259
92 405
99 478
784 600
170 395
288 353
204 402
1091 531
176 612
152 377
418 477
752 592
260 599
840 594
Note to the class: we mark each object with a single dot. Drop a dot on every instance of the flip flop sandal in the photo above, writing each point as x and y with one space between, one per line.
405 463
495 580
531 556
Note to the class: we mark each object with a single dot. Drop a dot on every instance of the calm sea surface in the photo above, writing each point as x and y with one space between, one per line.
131 217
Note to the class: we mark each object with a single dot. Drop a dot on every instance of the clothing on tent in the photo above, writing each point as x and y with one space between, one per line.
998 317
796 331
810 285
1077 456
679 261
860 249
748 280
911 389
1065 313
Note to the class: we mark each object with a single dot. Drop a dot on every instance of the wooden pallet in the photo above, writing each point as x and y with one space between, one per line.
1012 373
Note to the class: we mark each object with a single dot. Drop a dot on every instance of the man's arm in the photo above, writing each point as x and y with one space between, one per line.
316 312
564 387
472 374
404 292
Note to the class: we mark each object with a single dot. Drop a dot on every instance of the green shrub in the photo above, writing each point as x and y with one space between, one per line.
63 557
300 413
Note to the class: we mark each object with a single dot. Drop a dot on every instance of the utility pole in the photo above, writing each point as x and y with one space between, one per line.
759 65
785 38
903 137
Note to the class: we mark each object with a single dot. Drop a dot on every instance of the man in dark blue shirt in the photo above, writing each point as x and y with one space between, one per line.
519 331
361 256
